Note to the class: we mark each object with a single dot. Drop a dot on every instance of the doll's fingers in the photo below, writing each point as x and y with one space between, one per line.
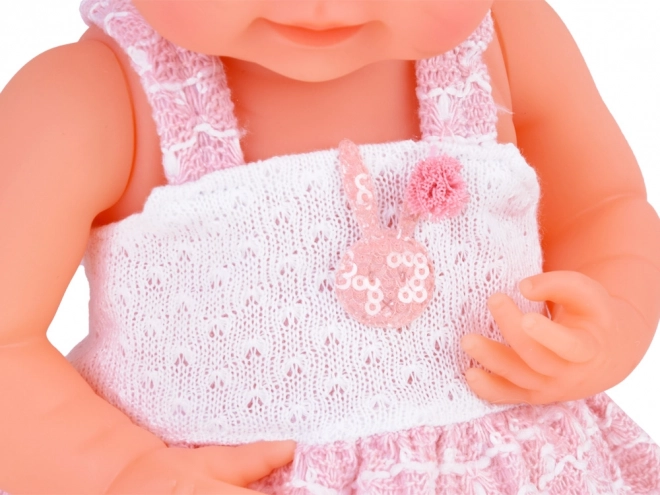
509 320
496 389
576 292
249 463
210 487
572 344
503 361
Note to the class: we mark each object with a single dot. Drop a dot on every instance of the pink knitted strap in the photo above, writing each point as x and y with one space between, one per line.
454 91
187 91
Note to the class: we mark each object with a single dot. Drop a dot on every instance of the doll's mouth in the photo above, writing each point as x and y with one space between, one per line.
314 37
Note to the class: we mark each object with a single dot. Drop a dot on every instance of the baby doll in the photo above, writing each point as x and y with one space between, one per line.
231 302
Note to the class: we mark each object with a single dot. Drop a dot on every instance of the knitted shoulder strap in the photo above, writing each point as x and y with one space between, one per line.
193 110
187 91
454 91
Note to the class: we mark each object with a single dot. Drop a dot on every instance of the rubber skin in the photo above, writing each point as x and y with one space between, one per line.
78 149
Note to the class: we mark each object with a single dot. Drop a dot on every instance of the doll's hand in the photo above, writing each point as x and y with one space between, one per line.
569 357
205 470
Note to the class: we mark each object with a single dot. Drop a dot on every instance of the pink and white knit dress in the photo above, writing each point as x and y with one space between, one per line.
214 316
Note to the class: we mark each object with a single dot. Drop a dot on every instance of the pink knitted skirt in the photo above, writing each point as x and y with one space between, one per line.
583 447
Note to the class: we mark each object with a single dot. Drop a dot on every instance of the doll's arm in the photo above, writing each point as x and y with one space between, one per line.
60 164
594 217
66 151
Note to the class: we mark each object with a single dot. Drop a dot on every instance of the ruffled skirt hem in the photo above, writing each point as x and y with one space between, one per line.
582 447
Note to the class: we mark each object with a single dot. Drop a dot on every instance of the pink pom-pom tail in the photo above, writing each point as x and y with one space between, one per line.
437 188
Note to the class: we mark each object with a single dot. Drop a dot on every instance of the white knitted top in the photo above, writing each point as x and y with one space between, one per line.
213 318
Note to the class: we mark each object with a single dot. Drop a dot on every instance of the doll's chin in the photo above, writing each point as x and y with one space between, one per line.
313 74
308 70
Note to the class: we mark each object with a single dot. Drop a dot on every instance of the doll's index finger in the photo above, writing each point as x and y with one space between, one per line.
572 344
212 487
503 361
496 389
252 462
576 292
509 318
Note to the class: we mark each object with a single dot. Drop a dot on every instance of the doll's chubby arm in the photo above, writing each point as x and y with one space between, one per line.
65 155
600 237
66 152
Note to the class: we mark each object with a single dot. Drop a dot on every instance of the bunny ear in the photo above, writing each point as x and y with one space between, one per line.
359 187
407 221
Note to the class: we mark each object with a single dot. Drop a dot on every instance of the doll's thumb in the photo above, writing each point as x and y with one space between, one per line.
252 462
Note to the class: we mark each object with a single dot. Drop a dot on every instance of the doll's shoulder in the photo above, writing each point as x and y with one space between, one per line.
68 113
147 171
544 66
562 125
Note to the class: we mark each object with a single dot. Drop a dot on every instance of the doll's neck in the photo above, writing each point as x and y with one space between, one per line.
282 116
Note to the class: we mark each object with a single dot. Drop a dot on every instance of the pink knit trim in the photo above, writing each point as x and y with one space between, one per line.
580 447
454 91
187 91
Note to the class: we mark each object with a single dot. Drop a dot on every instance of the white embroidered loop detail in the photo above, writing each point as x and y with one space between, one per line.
364 196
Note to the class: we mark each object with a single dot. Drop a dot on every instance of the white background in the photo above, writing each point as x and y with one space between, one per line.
619 39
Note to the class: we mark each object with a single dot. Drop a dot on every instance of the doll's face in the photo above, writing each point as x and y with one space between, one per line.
315 40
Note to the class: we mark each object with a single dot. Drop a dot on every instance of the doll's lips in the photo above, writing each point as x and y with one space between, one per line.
315 37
